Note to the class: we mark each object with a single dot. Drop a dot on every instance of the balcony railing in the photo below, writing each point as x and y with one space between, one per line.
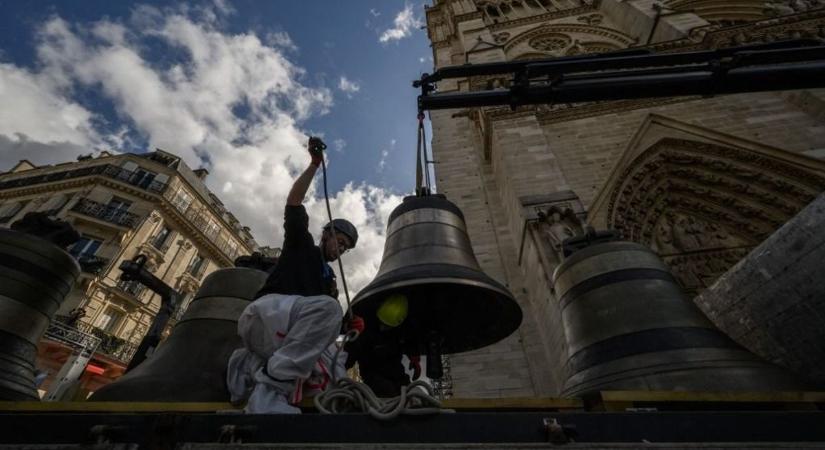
138 179
61 331
106 213
199 218
91 263
131 287
81 333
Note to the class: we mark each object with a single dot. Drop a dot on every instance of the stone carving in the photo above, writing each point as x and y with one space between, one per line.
552 42
591 19
551 219
501 38
784 8
600 33
559 223
694 201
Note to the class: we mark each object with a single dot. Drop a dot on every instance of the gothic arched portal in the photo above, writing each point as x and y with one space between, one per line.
704 206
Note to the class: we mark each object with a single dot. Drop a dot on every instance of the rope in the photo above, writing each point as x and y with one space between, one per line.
334 238
348 396
419 170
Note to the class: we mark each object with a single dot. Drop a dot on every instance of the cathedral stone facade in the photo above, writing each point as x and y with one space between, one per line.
704 182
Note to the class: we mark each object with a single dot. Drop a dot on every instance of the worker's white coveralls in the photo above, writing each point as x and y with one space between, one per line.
288 351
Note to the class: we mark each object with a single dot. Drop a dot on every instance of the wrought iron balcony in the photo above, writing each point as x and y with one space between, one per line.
83 334
106 213
200 219
131 287
107 170
61 330
91 263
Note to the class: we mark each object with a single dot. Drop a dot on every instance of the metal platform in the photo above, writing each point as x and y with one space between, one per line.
167 430
620 420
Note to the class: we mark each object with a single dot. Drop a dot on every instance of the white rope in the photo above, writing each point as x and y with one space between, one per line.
348 396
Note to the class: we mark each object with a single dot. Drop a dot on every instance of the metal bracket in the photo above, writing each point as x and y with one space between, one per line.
235 434
106 434
557 433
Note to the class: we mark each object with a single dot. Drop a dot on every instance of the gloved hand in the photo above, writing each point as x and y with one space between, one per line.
316 150
356 323
415 366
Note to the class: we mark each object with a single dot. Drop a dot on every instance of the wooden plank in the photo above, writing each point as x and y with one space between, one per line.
697 396
513 403
622 400
114 407
307 403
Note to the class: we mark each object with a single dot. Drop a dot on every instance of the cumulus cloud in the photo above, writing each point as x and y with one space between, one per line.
374 12
339 145
403 25
348 87
281 39
231 102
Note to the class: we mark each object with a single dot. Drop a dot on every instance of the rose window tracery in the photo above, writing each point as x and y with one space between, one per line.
551 42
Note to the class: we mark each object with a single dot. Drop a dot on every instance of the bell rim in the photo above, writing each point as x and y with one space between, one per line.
503 297
416 281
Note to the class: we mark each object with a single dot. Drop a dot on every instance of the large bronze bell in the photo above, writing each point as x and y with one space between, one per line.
453 305
191 365
629 326
35 277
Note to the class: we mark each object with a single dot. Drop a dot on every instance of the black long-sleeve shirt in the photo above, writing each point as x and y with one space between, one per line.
301 268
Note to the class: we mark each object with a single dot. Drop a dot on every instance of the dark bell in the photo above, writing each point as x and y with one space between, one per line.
453 306
35 277
629 326
190 366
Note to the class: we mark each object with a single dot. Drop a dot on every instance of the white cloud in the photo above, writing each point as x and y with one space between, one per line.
374 12
422 59
191 108
339 145
348 87
382 163
403 25
281 39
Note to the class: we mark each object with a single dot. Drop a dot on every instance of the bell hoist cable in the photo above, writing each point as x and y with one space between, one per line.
422 172
334 238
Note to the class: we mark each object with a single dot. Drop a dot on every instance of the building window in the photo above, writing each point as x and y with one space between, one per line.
86 246
108 320
197 266
212 229
161 240
55 204
182 200
116 208
9 210
142 178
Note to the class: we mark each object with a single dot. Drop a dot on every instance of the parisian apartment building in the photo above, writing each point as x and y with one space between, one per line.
123 205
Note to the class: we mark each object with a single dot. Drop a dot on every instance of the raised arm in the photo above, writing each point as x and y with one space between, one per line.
301 185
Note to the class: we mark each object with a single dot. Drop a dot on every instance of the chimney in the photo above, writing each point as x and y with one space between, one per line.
201 173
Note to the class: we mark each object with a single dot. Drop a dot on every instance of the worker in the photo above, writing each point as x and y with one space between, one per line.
379 350
289 330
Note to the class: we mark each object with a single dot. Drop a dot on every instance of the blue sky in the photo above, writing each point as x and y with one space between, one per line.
235 85
334 39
